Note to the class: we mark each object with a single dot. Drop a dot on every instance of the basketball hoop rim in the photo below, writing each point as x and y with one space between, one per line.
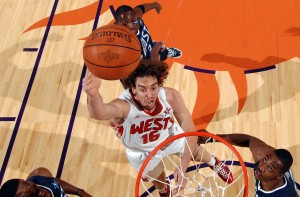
188 134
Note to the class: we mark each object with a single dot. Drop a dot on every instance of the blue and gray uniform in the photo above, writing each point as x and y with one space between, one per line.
147 43
49 184
287 189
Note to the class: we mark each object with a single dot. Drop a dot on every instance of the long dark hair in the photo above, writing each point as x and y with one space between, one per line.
145 68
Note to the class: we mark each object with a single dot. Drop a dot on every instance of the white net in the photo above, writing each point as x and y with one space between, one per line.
201 179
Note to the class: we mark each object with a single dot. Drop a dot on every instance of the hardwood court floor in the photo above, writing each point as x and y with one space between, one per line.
44 117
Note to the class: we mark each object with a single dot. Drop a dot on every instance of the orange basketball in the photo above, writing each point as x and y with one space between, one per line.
111 52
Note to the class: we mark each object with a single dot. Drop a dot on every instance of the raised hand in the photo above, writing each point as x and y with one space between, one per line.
180 182
154 53
91 84
157 7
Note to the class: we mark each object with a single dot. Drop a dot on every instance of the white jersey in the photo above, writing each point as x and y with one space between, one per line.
143 131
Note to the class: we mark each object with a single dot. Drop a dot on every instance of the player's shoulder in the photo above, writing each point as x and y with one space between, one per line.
172 96
125 95
171 92
121 103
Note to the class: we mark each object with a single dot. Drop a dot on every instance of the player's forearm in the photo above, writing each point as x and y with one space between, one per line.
95 106
236 139
190 147
241 140
189 150
149 6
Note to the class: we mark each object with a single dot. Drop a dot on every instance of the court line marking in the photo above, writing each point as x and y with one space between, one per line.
259 69
199 70
30 49
7 118
75 106
26 96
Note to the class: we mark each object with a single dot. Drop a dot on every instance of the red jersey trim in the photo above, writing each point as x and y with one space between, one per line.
158 105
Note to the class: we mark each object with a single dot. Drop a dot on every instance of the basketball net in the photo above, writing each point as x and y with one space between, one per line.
201 180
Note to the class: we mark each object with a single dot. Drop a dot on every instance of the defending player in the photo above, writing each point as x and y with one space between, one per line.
132 19
273 177
40 182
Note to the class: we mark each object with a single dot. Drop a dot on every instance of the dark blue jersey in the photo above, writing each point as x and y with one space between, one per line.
147 43
287 189
145 39
49 184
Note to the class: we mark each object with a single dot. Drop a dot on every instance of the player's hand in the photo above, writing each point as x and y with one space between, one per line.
154 53
157 7
91 83
203 139
180 182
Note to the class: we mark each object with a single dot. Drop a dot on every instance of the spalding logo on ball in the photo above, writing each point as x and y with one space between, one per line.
112 52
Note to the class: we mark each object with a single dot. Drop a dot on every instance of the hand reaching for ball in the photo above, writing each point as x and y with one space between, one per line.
154 53
91 84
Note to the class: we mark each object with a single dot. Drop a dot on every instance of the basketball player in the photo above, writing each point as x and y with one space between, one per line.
132 19
272 173
143 116
41 183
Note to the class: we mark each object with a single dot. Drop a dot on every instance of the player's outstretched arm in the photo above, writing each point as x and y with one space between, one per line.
257 147
154 53
184 118
96 107
142 9
185 121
